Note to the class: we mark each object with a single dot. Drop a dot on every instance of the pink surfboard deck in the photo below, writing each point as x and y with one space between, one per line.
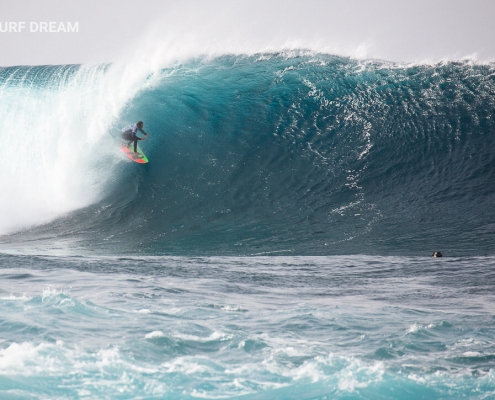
138 157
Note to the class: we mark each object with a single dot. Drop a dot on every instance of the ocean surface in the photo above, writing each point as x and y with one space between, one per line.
277 245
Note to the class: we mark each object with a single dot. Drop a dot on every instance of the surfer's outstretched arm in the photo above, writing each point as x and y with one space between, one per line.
144 133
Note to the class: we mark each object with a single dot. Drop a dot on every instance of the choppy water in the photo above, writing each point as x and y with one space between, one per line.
252 327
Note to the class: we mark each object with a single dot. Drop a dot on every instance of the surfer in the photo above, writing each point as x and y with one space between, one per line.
129 134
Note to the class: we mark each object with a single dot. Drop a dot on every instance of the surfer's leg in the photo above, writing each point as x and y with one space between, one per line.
127 137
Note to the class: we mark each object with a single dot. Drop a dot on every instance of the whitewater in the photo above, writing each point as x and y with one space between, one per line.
278 243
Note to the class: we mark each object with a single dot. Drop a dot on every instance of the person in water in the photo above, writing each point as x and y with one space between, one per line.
129 134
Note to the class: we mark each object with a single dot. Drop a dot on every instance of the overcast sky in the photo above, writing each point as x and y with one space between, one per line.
396 30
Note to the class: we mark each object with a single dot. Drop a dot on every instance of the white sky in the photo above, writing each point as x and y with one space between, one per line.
396 30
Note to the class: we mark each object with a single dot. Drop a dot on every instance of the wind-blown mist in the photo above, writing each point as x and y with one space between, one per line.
383 29
58 155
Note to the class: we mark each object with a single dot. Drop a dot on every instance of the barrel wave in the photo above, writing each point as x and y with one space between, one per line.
287 153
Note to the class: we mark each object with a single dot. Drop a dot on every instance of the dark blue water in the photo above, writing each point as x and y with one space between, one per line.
195 275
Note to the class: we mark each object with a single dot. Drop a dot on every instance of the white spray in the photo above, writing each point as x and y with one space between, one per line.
56 154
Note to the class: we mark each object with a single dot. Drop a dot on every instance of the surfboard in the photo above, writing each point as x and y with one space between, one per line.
129 152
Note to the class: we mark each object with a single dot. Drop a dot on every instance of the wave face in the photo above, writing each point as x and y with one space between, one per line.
267 154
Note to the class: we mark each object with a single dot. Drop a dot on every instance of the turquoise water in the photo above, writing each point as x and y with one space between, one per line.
276 246
247 327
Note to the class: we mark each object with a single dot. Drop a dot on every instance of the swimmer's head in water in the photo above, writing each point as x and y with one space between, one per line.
437 254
